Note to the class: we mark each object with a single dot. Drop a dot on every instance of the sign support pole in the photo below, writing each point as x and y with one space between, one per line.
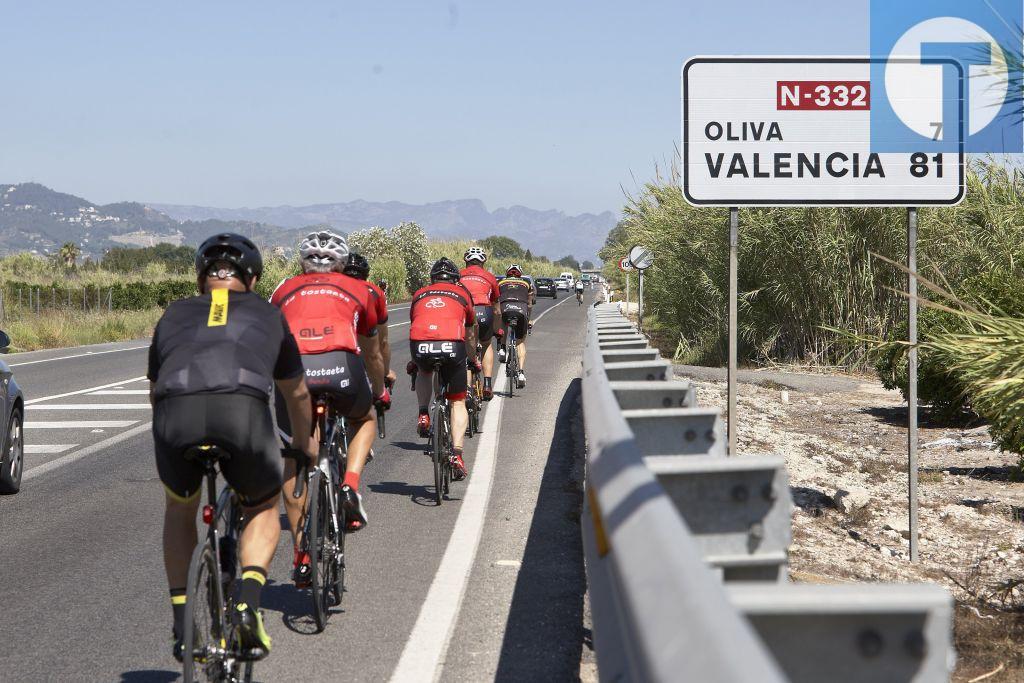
734 239
640 300
912 381
627 293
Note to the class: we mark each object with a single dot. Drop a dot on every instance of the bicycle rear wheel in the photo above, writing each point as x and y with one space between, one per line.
437 451
447 441
206 630
321 555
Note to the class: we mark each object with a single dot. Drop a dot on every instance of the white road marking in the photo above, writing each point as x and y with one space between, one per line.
428 642
77 355
398 324
79 424
49 448
120 392
88 450
423 655
84 391
90 406
397 308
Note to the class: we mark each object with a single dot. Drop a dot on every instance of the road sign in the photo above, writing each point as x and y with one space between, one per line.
624 265
773 131
641 258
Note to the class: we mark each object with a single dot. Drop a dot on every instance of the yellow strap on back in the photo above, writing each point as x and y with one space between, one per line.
218 308
178 599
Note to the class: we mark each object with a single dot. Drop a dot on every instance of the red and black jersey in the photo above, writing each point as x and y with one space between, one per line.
378 301
482 285
441 312
326 311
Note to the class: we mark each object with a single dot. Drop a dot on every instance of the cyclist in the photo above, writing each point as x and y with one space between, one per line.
514 299
336 333
579 291
483 287
212 363
444 329
358 267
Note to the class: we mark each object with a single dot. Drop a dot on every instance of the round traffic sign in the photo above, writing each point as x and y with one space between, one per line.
624 264
641 258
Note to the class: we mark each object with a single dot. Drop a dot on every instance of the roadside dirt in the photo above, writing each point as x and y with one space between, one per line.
850 436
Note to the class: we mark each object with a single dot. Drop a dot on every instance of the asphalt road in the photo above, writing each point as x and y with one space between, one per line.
490 584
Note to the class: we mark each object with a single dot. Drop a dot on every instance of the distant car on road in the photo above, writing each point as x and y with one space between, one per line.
12 455
546 287
533 289
562 283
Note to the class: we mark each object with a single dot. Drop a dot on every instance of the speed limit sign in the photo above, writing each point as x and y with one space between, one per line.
624 265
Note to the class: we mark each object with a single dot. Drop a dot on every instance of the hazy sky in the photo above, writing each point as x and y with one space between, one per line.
546 103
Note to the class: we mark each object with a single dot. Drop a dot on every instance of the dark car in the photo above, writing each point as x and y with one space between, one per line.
12 455
546 287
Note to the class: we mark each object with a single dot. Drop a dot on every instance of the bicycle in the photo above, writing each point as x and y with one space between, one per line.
210 635
440 440
579 297
323 528
511 359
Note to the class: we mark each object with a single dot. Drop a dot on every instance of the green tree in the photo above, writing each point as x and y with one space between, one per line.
528 256
502 248
588 265
568 262
69 254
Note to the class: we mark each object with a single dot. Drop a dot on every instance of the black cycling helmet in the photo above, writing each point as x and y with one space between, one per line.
445 270
234 249
356 266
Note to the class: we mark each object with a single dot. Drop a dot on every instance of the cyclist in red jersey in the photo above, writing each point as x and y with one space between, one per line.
334 323
444 330
358 267
483 286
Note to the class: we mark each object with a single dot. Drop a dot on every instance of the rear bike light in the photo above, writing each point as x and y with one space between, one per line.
320 410
208 514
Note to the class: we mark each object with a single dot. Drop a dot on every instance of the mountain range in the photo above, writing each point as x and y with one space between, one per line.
35 218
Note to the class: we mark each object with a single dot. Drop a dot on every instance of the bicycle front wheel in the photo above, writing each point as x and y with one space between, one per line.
205 636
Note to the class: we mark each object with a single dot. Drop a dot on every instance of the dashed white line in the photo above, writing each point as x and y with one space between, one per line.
80 424
48 448
88 450
119 392
77 355
84 391
89 406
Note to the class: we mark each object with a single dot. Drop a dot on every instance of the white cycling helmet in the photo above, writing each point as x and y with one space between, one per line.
475 254
514 268
323 247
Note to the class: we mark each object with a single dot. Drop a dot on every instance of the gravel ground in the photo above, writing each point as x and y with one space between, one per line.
844 440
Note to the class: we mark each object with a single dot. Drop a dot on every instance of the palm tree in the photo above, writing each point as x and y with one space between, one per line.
69 253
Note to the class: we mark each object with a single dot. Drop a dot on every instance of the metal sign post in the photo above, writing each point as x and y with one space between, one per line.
734 241
640 300
625 266
912 381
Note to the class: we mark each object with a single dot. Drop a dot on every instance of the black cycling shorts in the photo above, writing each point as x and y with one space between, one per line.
341 375
485 323
451 355
514 314
239 424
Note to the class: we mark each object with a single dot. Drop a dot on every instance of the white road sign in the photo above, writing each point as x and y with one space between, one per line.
774 131
624 264
640 257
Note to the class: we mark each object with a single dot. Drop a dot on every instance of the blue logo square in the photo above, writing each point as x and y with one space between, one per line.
946 72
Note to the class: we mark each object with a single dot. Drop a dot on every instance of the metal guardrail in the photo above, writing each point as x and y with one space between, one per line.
686 549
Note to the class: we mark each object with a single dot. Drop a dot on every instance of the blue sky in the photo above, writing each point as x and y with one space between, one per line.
549 104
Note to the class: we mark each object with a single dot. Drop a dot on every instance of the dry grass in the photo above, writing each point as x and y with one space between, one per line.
56 329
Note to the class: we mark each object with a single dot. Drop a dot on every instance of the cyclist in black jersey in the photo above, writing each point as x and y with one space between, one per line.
213 363
514 298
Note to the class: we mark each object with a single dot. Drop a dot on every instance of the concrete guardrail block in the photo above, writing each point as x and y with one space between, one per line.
853 633
653 395
739 509
638 370
631 344
677 431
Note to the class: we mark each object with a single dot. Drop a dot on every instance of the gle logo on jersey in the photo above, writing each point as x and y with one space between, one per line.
920 51
436 302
